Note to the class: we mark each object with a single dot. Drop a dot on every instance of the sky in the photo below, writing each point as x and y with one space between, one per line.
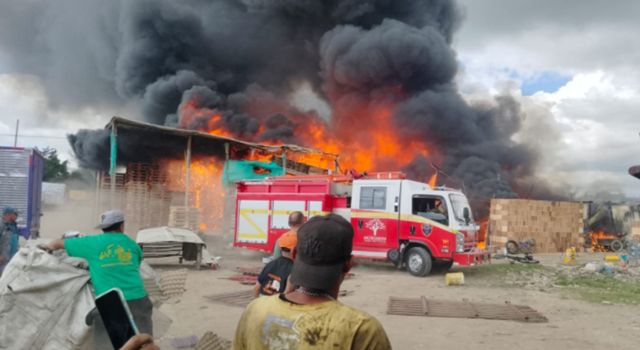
573 65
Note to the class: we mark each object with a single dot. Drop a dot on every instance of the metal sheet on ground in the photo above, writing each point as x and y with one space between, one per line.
462 309
211 341
241 299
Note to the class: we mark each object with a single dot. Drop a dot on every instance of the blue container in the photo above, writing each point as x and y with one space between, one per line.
21 171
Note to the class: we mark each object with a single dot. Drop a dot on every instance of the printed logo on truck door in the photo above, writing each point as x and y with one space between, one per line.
378 231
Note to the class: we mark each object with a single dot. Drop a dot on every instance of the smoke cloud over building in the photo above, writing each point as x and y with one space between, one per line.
386 68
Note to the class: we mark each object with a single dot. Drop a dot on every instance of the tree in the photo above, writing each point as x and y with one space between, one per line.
54 169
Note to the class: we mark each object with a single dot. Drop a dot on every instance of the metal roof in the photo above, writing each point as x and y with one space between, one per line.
206 138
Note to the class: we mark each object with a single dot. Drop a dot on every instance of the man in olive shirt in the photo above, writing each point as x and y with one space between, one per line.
310 317
114 262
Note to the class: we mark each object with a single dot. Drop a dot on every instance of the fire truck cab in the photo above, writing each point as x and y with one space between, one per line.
396 219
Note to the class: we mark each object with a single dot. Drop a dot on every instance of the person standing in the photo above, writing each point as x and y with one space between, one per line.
114 262
310 316
273 278
8 236
296 219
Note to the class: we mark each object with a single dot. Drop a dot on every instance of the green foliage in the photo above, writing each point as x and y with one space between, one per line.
600 289
54 169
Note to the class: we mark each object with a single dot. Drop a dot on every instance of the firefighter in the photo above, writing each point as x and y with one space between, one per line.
310 316
8 236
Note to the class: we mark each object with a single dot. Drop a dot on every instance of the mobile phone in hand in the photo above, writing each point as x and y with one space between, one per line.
116 316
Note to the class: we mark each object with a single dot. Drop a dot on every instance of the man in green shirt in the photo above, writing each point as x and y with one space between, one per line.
114 262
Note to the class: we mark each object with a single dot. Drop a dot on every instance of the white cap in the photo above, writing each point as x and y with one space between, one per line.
110 217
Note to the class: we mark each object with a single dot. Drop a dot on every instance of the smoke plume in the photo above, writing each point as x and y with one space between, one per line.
385 67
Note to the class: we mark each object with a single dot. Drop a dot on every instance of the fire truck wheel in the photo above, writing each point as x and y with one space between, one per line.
418 261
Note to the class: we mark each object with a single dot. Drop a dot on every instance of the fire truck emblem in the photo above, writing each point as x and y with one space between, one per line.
426 229
375 225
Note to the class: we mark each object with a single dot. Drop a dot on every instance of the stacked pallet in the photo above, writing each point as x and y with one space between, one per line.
635 231
135 199
146 200
181 216
555 226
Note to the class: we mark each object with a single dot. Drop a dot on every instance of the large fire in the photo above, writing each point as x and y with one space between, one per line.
368 142
206 193
371 143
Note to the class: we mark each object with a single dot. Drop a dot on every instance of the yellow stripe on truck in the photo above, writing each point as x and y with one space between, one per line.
249 220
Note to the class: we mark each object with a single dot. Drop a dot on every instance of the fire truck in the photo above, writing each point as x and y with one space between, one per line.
402 221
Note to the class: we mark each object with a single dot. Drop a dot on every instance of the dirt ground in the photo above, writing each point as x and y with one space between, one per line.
573 324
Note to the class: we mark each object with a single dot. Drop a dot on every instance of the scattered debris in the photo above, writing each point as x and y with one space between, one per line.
241 299
252 271
462 309
243 279
172 283
344 293
184 342
211 341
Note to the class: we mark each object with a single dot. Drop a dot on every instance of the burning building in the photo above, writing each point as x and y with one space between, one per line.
167 176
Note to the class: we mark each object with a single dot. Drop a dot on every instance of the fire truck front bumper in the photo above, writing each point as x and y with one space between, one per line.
473 257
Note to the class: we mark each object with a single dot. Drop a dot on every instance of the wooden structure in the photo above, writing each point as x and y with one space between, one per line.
555 226
135 182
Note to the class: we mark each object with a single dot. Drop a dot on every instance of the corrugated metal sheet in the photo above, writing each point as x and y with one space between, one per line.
14 181
21 171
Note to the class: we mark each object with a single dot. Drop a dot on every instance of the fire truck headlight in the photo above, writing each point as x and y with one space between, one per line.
459 242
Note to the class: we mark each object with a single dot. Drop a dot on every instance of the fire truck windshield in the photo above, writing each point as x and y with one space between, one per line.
459 202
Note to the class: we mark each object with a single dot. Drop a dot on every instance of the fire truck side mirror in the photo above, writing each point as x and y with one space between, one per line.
466 215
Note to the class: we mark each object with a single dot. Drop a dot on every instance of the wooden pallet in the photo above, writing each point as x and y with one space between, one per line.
462 309
211 341
162 250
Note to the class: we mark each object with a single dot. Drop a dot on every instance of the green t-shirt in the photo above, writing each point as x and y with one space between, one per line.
114 262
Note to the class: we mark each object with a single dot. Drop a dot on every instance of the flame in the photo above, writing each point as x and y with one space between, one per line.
206 192
433 180
596 236
363 134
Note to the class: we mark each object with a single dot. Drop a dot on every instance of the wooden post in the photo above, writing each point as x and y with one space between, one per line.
97 198
284 162
113 164
187 183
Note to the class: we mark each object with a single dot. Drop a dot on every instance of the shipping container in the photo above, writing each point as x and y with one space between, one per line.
21 171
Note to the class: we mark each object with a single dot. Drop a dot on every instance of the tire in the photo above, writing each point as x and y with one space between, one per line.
442 266
617 245
512 247
418 261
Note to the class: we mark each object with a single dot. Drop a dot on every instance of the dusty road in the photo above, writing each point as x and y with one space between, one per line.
573 324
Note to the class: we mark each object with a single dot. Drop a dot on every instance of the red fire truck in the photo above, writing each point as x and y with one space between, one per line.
396 219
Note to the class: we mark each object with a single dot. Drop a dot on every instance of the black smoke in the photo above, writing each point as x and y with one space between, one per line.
181 62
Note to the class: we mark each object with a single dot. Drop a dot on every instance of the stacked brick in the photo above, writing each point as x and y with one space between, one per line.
555 226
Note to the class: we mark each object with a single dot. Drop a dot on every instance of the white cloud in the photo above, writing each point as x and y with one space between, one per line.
22 97
594 116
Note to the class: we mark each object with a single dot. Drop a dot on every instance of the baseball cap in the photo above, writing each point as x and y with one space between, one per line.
289 241
110 217
324 245
9 210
